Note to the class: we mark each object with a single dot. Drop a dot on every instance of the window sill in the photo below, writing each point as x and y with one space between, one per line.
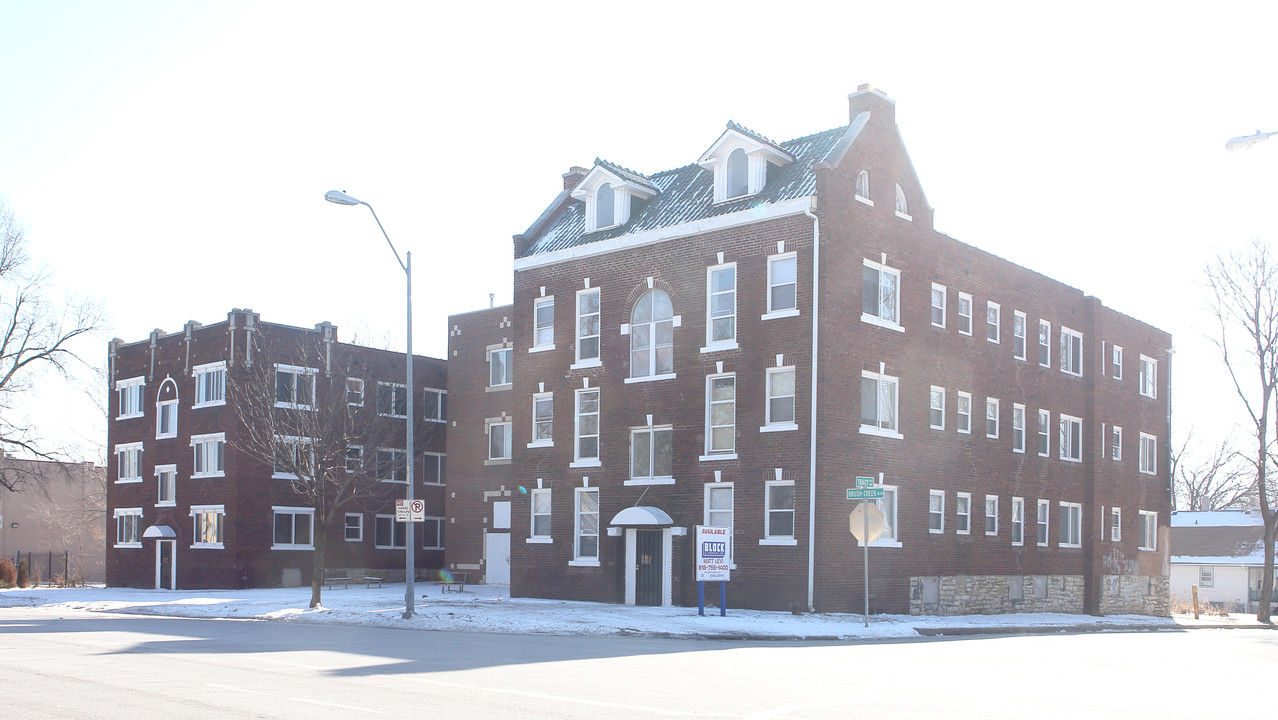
583 563
586 364
497 388
128 545
393 482
541 443
358 539
197 476
436 483
865 200
497 461
779 427
869 430
774 314
129 481
166 504
292 547
904 216
937 427
541 348
1071 373
588 463
650 481
166 436
723 456
213 403
129 417
719 346
876 320
435 420
886 544
539 540
292 406
401 548
284 476
781 541
936 532
1072 460
1069 547
649 378
207 546
391 415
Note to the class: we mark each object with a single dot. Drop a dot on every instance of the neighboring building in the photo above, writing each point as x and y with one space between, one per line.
1222 552
55 518
658 366
188 507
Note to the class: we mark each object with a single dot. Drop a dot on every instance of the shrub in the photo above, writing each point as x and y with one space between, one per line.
8 574
24 575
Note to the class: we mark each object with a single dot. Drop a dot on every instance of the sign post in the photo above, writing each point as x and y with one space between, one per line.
714 563
867 513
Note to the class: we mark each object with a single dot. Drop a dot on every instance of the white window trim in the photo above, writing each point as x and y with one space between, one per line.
652 430
717 345
932 391
597 360
199 370
533 537
215 510
1044 430
441 402
395 453
878 319
438 457
510 359
1116 452
1018 433
396 389
294 441
879 378
546 442
994 307
196 441
1018 502
510 441
346 460
769 425
1044 334
537 305
902 202
1024 336
943 306
301 371
1071 505
1116 369
348 382
782 312
159 415
346 526
992 404
123 448
138 382
128 512
959 514
893 541
589 460
1148 458
768 537
1115 524
159 471
959 414
931 494
1069 420
1148 380
284 510
439 532
705 516
586 560
1066 353
1152 534
988 532
1046 522
394 522
856 190
970 304
710 452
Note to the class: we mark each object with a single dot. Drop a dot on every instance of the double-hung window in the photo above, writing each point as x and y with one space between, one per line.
1147 530
355 392
783 284
887 505
936 511
963 413
936 408
539 523
210 384
991 417
721 415
500 372
1115 443
1071 527
1115 524
128 527
964 313
543 421
1044 343
294 387
1148 463
1206 576
586 427
392 400
938 305
721 306
294 458
1018 521
354 458
353 526
1116 362
588 326
1044 513
499 441
1148 377
779 510
863 187
209 522
166 479
651 455
993 321
963 513
1018 428
586 526
392 465
1071 351
878 404
780 410
718 510
128 458
880 296
166 418
435 405
130 393
543 323
991 514
210 455
1018 335
294 528
1071 439
652 335
1044 433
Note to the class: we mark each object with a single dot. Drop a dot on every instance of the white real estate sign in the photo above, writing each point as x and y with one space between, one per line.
714 553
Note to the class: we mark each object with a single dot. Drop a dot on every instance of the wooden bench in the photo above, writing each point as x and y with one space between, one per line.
332 578
368 580
453 583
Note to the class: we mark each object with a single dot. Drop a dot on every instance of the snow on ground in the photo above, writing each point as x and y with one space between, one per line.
489 608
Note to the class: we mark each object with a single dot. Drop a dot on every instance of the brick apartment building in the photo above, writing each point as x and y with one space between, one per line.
732 342
189 507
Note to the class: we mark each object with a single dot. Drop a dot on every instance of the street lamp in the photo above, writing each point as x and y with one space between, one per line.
410 564
1245 141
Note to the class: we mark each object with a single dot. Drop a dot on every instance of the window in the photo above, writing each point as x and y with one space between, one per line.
1147 530
210 455
210 384
879 297
1071 351
355 392
1148 377
500 372
718 504
863 185
392 400
902 207
965 314
1018 521
738 177
1206 576
1148 444
354 458
991 417
963 413
392 465
354 527
586 526
936 511
540 525
1115 443
128 462
209 523
433 468
1018 335
605 200
499 441
1071 528
1044 509
652 335
721 306
887 505
128 532
878 403
294 458
544 323
435 404
1115 524
993 317
938 305
294 387
294 528
963 513
166 479
1116 362
130 392
780 410
721 414
651 454
432 532
1044 343
991 514
779 510
783 284
543 423
588 325
166 419
586 426
389 534
1044 433
936 408
1071 440
1018 428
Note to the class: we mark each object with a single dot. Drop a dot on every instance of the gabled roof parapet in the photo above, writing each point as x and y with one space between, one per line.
738 135
627 174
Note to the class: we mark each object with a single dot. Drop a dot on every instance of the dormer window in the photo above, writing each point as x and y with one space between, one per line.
609 191
740 160
738 174
605 203
902 207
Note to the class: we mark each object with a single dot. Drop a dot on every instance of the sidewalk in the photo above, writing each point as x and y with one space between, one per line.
489 608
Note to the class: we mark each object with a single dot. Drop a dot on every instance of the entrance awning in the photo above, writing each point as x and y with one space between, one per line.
642 516
163 532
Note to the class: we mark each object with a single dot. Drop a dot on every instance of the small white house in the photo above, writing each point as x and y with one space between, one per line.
1221 552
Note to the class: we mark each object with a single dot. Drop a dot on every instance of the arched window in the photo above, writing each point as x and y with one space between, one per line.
863 184
902 207
166 408
652 335
603 206
738 174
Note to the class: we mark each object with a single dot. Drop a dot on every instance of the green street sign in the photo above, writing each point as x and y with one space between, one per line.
865 493
865 482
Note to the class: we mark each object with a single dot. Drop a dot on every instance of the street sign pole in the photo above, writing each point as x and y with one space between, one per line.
865 550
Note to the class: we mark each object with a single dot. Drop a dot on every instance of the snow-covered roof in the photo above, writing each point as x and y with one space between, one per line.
1232 517
1217 537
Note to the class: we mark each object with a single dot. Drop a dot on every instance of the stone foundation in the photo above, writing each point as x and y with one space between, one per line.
1136 595
999 594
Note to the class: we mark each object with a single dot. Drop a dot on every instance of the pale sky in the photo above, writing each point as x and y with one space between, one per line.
170 159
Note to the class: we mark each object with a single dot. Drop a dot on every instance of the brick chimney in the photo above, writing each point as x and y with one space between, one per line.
574 176
867 97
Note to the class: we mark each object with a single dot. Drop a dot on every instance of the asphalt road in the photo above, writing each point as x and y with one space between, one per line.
58 664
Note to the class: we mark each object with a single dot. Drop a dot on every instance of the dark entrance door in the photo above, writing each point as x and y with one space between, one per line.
648 570
166 564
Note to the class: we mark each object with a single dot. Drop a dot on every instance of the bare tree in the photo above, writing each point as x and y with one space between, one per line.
1244 298
36 336
1211 481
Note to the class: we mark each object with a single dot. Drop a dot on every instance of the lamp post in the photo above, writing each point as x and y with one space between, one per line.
1243 142
410 564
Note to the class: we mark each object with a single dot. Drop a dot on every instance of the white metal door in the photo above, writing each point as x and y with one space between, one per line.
497 558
